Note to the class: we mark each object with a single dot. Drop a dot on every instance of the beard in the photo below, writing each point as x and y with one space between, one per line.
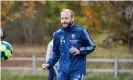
65 25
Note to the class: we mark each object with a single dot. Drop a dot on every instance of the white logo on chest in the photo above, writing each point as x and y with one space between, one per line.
73 41
62 40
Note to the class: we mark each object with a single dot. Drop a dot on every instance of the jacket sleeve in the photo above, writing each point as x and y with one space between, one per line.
56 53
88 45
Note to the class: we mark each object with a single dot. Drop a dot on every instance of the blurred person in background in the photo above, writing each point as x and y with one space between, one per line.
53 72
71 45
2 34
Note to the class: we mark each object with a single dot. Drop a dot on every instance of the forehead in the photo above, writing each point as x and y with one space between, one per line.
65 14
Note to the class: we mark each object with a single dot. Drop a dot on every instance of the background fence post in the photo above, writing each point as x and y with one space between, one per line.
33 64
115 67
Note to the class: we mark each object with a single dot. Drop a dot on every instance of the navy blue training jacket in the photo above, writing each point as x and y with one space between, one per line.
64 39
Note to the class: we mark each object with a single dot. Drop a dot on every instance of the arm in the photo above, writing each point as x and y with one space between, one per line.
88 44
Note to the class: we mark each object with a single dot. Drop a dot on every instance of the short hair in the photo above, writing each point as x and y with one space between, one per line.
68 10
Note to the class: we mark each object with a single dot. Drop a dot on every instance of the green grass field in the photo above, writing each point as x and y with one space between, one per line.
119 51
42 75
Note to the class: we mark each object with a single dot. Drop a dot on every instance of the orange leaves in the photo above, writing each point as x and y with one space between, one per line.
25 4
96 21
29 7
32 3
8 4
13 10
91 20
30 12
5 6
2 23
42 2
88 11
29 3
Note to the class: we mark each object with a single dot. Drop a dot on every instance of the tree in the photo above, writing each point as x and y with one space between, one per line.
116 16
19 18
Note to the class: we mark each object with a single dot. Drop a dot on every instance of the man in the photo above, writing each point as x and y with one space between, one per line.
53 72
71 45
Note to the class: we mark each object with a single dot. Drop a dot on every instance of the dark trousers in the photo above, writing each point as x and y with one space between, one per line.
52 75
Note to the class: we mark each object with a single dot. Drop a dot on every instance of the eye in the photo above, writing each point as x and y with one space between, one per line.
62 18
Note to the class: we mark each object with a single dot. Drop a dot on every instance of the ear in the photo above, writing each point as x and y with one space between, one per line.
72 18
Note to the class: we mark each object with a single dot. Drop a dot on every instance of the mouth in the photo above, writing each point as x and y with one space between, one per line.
64 23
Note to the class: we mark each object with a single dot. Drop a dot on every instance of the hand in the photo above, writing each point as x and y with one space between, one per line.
74 50
45 66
